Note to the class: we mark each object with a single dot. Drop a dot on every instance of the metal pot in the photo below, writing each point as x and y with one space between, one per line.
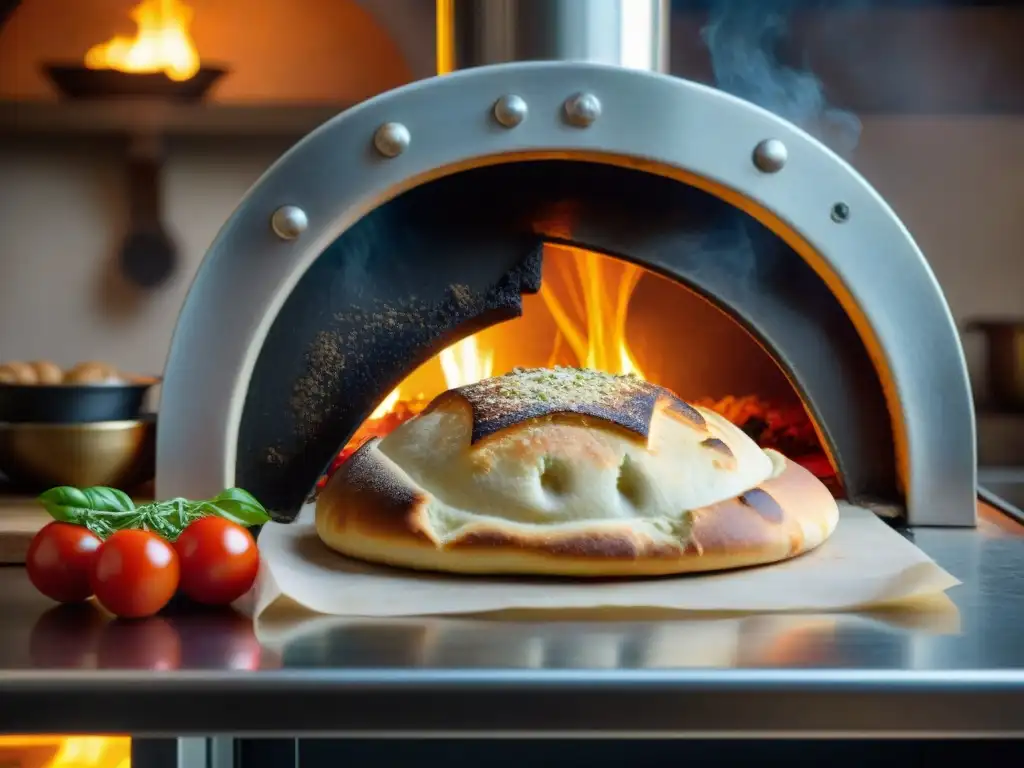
73 403
1004 360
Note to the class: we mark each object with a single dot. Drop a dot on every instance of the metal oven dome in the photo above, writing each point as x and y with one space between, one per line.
648 124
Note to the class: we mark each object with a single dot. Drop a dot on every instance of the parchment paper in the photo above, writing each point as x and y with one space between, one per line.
864 564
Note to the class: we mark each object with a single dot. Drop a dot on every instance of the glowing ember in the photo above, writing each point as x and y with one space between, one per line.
161 43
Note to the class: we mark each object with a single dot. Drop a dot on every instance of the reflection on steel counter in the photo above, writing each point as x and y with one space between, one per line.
651 643
183 637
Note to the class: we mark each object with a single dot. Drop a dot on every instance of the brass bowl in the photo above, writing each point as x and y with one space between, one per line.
117 454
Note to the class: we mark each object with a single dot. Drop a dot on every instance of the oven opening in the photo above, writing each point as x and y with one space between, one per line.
599 312
535 262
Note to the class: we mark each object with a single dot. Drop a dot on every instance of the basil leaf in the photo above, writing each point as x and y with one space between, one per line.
106 510
238 506
108 499
75 505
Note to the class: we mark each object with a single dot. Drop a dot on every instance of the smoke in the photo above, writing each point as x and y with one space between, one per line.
743 38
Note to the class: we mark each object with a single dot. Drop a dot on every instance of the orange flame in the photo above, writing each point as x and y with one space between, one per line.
601 342
71 751
591 318
463 363
161 43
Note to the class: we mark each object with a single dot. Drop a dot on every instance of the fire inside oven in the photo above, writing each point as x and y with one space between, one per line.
596 311
528 263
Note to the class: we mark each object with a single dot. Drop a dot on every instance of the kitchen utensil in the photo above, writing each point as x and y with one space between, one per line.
1004 360
119 454
73 403
148 254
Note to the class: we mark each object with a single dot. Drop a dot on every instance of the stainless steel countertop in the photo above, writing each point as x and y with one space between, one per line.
893 672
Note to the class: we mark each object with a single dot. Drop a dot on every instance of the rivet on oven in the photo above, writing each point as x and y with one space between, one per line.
392 139
840 213
770 155
510 110
582 109
289 221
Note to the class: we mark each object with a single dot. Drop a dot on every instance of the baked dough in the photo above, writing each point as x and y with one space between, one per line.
569 472
49 373
35 372
91 372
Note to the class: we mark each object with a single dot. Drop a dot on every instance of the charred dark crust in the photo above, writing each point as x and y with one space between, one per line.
523 395
718 445
633 415
764 504
361 472
684 409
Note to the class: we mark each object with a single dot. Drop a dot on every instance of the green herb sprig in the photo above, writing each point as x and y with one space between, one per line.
105 511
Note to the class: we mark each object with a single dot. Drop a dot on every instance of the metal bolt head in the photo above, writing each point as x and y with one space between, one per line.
840 213
770 155
289 221
510 110
392 139
582 109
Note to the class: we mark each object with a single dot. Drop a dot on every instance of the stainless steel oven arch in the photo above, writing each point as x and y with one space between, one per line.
809 196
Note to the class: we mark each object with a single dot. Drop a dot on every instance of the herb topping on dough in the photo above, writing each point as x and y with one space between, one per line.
529 393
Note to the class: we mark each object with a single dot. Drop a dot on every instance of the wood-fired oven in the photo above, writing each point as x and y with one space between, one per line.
558 175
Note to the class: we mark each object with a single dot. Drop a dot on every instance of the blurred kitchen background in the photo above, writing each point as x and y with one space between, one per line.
925 98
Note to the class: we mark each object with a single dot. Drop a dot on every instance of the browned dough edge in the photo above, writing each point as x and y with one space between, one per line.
371 511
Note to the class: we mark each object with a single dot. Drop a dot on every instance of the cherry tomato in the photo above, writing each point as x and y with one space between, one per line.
219 561
60 559
135 574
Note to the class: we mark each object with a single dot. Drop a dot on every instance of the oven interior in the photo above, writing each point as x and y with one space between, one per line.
561 262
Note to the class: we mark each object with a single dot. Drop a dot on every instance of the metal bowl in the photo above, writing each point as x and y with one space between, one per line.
73 403
118 454
77 82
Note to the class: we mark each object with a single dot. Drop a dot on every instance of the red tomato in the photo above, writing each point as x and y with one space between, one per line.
219 561
135 574
59 561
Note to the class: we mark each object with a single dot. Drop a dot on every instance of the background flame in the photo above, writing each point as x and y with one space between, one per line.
161 43
70 751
